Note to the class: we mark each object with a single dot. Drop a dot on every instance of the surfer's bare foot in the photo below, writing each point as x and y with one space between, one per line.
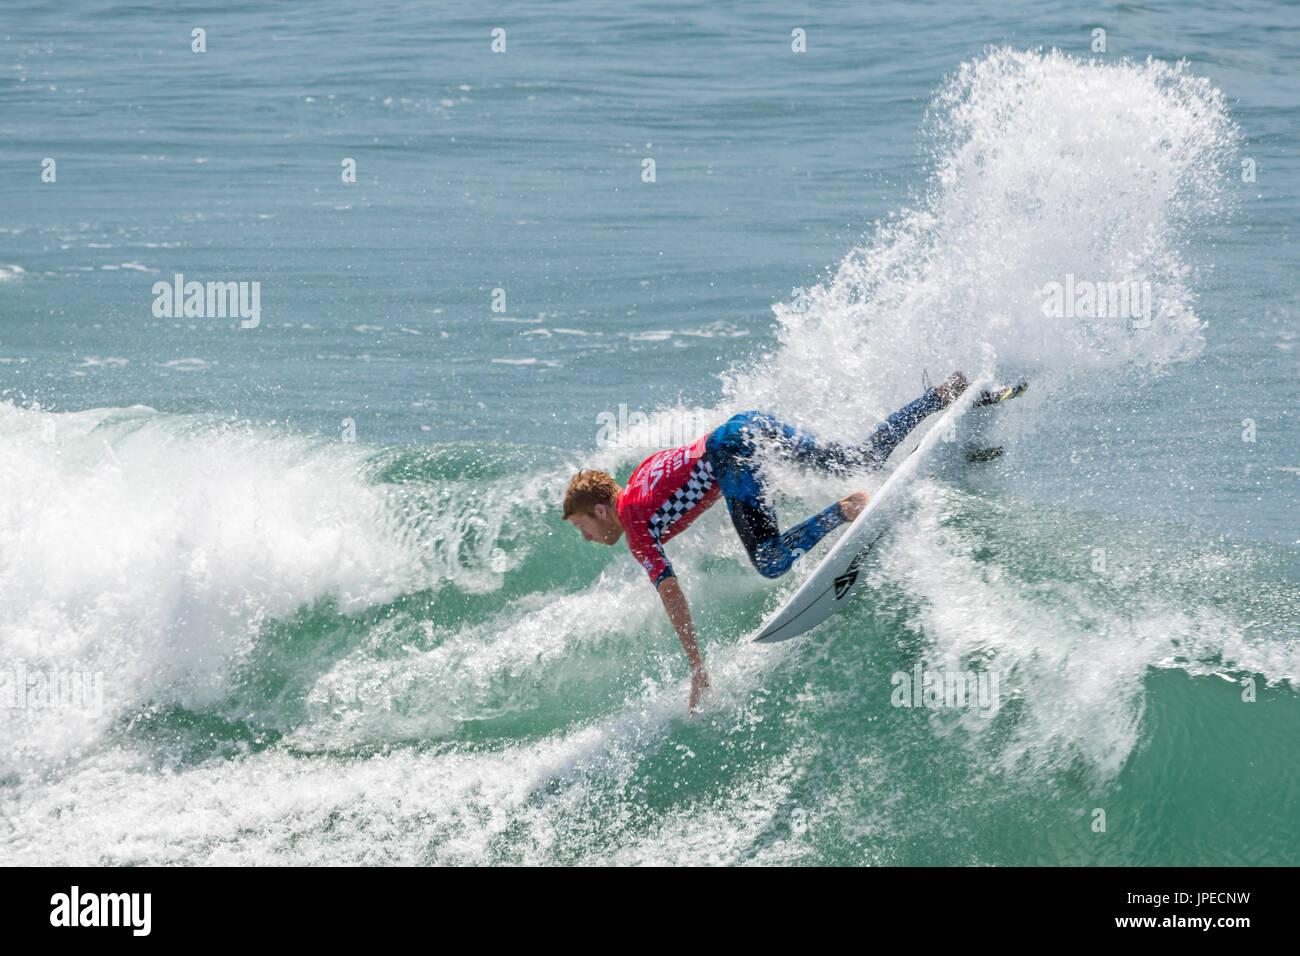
953 386
852 505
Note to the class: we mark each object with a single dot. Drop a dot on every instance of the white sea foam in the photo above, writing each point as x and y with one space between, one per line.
1031 181
152 552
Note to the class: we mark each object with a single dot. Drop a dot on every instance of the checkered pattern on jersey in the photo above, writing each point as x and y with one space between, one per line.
683 499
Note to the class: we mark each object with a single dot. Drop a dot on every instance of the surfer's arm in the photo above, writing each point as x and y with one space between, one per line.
670 592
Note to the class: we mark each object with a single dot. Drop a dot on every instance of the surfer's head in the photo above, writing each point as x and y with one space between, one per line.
591 504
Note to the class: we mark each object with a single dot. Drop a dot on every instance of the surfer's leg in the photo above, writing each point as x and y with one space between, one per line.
796 444
895 428
802 446
771 552
882 441
730 451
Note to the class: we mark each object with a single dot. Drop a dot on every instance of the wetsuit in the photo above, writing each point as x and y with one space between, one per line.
672 488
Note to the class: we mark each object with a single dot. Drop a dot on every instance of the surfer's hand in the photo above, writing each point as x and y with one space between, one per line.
699 684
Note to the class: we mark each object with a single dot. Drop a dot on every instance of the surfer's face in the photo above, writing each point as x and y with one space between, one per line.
600 525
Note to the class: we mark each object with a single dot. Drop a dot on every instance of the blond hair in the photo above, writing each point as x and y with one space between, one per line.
588 489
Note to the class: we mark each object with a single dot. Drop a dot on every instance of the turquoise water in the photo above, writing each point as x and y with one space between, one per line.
317 568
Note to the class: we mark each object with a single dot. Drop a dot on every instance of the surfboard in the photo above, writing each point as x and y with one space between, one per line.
838 577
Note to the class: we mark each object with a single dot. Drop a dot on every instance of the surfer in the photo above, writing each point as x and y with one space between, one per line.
671 488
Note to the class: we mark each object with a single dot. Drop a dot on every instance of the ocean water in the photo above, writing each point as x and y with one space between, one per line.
300 592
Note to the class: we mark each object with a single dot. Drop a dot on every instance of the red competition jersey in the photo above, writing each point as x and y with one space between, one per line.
668 491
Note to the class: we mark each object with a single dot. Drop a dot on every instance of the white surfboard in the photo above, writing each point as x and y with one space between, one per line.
829 588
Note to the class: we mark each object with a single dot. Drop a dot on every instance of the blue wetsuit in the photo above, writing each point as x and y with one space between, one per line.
729 453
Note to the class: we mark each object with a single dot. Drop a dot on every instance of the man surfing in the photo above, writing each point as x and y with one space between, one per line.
671 488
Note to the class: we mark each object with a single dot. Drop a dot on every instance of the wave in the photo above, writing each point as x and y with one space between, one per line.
410 657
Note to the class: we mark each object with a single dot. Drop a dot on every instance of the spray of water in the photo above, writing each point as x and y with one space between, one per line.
1043 167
